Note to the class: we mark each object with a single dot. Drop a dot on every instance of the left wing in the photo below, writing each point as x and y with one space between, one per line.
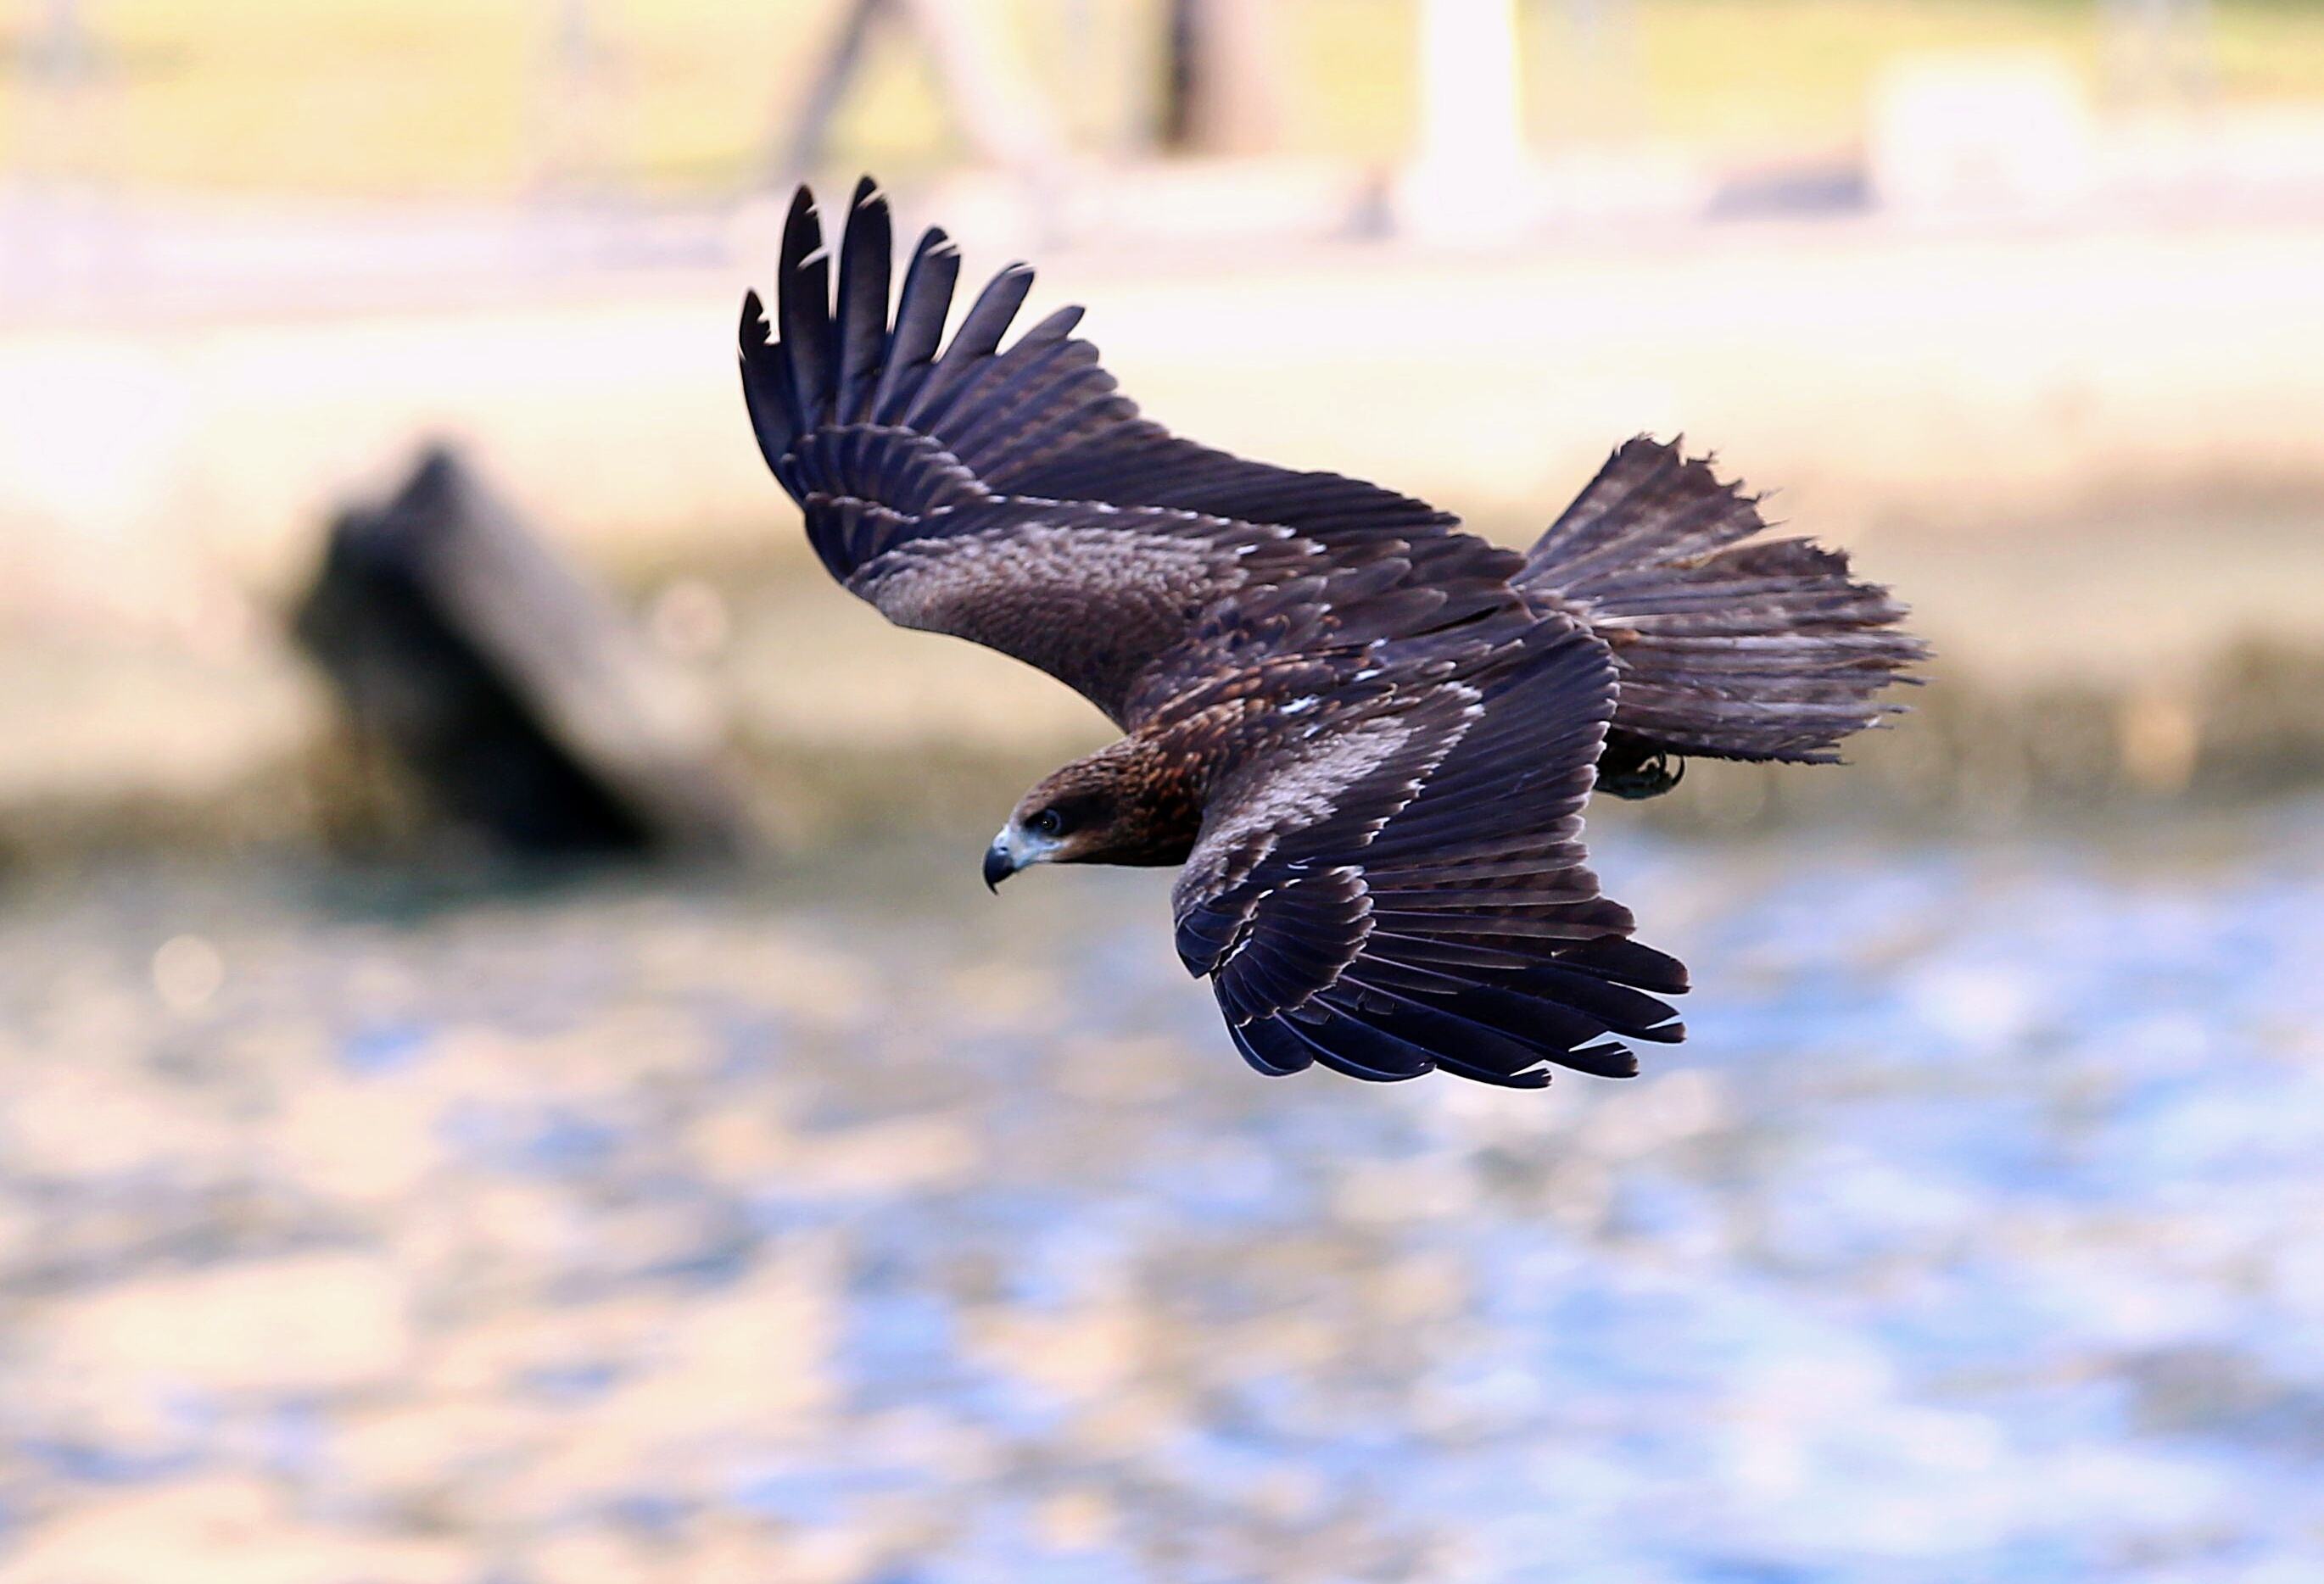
1015 498
1407 889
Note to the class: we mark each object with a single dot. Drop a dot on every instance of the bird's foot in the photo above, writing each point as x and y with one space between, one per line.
1649 776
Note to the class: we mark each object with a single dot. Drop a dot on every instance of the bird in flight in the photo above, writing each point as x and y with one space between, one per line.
1363 736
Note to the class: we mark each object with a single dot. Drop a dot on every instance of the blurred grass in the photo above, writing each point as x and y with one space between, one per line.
366 98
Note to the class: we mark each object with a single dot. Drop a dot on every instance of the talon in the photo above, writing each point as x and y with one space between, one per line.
1650 777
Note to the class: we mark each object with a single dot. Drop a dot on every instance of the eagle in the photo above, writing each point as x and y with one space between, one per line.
1363 735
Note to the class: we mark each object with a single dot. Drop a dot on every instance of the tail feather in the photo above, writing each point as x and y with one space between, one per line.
1760 651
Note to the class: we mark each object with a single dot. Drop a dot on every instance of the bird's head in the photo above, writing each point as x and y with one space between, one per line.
1119 805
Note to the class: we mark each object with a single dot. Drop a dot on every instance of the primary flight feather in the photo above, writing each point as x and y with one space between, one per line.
1365 735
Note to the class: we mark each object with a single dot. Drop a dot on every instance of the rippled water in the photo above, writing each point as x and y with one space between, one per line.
856 1226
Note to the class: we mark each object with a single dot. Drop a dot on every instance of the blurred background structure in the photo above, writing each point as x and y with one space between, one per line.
370 1212
2018 298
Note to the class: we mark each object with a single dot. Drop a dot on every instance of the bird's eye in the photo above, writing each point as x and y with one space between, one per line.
1047 823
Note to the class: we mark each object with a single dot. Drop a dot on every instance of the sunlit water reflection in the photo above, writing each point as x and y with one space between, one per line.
856 1226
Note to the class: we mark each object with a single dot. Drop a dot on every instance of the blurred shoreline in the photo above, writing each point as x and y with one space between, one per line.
2084 452
1940 372
841 731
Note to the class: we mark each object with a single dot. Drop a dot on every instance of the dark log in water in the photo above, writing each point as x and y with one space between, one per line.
516 694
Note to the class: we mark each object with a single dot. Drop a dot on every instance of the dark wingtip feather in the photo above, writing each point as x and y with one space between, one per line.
920 311
979 336
1530 1078
1272 1050
1626 962
803 308
864 259
1603 1060
766 395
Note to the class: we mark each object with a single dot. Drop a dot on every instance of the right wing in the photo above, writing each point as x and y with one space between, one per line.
1406 888
1014 498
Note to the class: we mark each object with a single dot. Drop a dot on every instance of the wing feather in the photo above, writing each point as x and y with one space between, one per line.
920 311
863 263
803 310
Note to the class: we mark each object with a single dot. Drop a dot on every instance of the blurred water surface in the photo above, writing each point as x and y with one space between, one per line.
854 1226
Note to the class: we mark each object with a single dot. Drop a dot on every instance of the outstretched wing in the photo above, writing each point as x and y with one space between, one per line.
1015 498
1406 889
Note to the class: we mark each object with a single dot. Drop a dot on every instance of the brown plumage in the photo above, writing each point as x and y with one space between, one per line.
1365 735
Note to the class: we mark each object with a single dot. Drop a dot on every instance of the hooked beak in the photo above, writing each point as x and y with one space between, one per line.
999 862
1015 848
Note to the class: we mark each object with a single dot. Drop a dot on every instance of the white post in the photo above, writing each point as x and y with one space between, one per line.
1467 178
